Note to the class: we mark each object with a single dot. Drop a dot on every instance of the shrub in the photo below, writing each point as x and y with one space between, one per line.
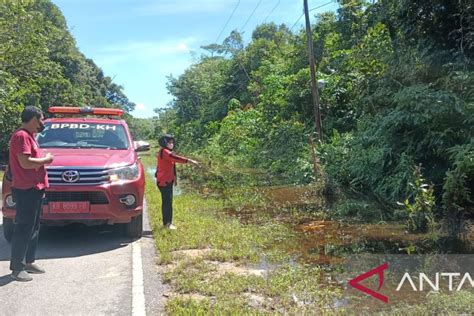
420 204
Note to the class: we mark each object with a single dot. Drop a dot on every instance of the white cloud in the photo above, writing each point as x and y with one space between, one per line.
139 107
144 51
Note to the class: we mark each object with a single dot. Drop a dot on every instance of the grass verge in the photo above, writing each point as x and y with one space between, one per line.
215 263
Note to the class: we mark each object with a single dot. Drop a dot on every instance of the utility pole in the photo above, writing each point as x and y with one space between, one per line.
312 67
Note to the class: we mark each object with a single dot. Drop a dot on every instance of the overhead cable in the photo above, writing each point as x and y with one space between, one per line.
228 20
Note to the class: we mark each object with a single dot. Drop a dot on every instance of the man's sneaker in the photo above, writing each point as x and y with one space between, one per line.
34 268
171 226
21 276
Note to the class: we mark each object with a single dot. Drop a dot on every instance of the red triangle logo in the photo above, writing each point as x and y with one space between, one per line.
379 271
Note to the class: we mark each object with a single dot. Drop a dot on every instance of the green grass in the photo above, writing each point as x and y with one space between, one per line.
288 289
201 288
203 223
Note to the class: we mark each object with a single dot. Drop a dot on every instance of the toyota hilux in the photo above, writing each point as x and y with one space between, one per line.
96 176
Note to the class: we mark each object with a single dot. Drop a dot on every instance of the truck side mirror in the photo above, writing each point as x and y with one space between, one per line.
141 146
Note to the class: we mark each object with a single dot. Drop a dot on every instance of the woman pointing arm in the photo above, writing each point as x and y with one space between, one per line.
166 176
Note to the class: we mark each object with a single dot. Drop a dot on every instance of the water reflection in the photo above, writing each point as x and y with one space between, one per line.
322 241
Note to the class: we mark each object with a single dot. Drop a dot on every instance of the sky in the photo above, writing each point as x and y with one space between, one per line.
139 43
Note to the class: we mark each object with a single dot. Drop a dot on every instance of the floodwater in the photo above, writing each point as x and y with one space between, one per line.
319 239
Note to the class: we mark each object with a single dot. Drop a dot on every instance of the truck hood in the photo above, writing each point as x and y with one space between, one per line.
104 158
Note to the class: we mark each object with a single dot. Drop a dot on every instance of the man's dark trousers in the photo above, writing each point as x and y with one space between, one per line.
25 237
167 203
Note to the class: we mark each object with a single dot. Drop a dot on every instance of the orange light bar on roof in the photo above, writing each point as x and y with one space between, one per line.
106 111
84 110
64 110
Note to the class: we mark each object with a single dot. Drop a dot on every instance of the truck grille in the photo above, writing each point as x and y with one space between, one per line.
77 175
94 197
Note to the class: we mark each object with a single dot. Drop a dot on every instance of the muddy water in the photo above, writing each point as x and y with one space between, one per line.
327 242
320 240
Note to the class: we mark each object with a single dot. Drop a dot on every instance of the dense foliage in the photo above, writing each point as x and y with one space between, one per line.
397 96
396 85
40 65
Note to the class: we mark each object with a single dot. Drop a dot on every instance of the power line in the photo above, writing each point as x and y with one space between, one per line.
250 16
278 3
228 20
297 21
241 29
322 5
315 8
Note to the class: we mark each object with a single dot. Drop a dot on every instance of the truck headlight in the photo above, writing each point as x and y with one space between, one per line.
9 202
124 173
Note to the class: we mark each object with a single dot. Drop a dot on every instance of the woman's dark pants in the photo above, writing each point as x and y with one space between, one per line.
167 203
27 225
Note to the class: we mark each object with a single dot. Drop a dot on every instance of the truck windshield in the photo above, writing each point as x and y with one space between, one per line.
83 135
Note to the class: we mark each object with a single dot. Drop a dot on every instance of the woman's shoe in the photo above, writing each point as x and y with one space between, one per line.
34 268
21 276
171 226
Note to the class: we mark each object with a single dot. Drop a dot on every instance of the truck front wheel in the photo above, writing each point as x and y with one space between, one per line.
135 227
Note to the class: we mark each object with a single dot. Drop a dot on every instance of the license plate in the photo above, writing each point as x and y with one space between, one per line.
69 207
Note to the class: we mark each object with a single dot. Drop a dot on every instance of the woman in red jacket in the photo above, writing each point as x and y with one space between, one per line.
166 176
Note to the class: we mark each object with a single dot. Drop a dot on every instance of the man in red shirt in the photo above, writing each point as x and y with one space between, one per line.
166 176
29 180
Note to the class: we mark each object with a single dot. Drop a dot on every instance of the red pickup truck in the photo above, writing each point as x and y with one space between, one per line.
96 176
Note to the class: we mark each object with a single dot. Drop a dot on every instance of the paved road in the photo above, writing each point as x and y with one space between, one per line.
89 270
